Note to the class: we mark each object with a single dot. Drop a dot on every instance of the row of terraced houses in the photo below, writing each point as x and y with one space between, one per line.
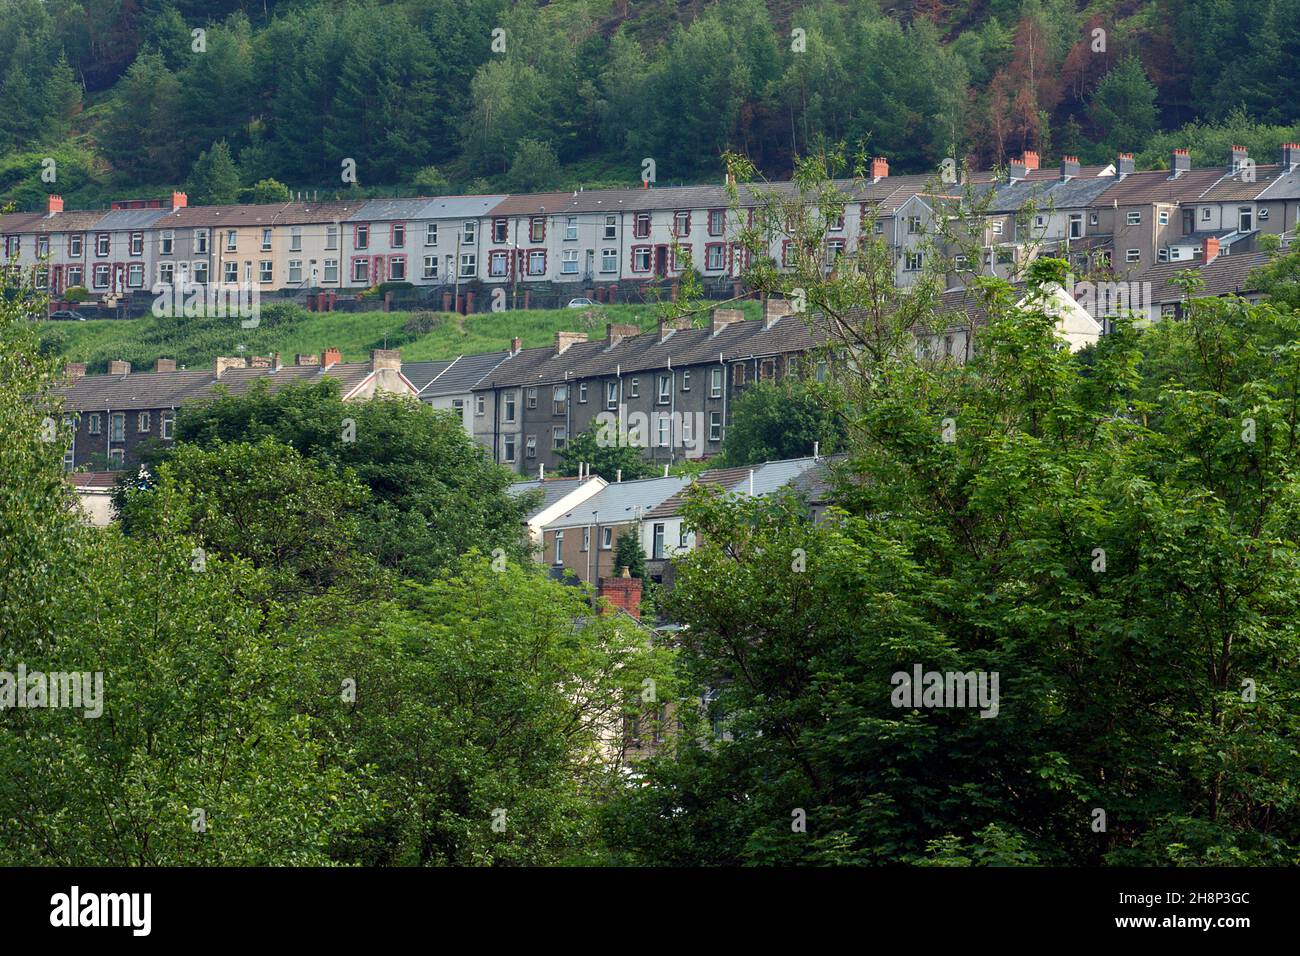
607 243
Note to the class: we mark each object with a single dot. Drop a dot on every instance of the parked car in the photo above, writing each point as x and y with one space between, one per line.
580 303
67 315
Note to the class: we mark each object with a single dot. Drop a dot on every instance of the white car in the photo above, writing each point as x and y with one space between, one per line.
580 303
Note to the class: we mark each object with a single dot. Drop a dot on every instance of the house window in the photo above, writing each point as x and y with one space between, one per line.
959 262
665 430
559 437
717 220
687 435
634 388
232 237
834 249
479 406
681 223
399 235
642 228
1205 213
571 229
640 258
586 537
738 374
101 244
469 232
1245 219
912 262
75 275
430 233
43 246
135 274
569 262
1076 225
997 228
611 394
499 230
360 269
101 276
201 271
767 370
715 426
1263 212
914 227
498 264
837 223
559 399
74 246
611 227
295 239
468 265
397 268
686 380
665 389
116 459
1040 221
264 270
509 447
143 422
166 425
331 270
361 236
715 383
537 262
166 272
231 272
93 424
658 546
530 445
431 267
1162 217
681 256
559 547
331 237
537 229
137 244
715 257
295 270
606 538
582 393
1133 255
117 426
1162 255
609 260
530 397
1134 218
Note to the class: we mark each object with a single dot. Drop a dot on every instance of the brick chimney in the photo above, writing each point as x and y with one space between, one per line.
53 204
260 361
623 593
774 310
1070 167
723 318
879 169
615 332
165 365
74 370
331 357
1289 156
229 361
390 359
668 326
302 360
1030 159
1236 158
119 367
564 339
1211 249
1180 161
1125 164
180 200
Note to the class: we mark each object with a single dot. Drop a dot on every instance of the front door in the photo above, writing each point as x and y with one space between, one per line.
661 261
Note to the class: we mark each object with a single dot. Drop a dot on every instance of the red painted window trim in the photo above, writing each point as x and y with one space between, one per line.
715 245
405 272
673 264
721 231
357 229
526 256
650 263
392 235
531 221
785 253
102 235
352 273
687 231
492 254
504 223
636 226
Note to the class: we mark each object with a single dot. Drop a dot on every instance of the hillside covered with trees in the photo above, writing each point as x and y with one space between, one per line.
473 95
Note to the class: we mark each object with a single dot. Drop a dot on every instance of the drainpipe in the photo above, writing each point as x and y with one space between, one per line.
726 386
672 412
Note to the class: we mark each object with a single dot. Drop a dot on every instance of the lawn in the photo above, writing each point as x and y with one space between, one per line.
195 342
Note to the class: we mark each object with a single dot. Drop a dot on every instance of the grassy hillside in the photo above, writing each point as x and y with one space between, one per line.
420 336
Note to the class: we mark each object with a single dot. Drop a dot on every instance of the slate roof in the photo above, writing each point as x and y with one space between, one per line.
65 222
462 374
421 374
769 477
1225 275
635 353
121 219
553 489
621 502
1074 193
1236 187
135 390
1156 186
237 381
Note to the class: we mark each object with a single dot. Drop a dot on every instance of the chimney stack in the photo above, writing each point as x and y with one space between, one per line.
668 326
331 356
165 365
623 593
179 200
1180 161
1289 156
516 345
1030 159
1211 249
74 370
305 360
879 169
616 332
1125 164
119 367
53 204
1236 158
774 310
564 339
723 318
1070 167
225 362
390 359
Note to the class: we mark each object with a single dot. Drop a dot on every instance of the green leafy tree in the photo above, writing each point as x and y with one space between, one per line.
772 422
534 168
1123 107
214 179
269 191
628 554
606 453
